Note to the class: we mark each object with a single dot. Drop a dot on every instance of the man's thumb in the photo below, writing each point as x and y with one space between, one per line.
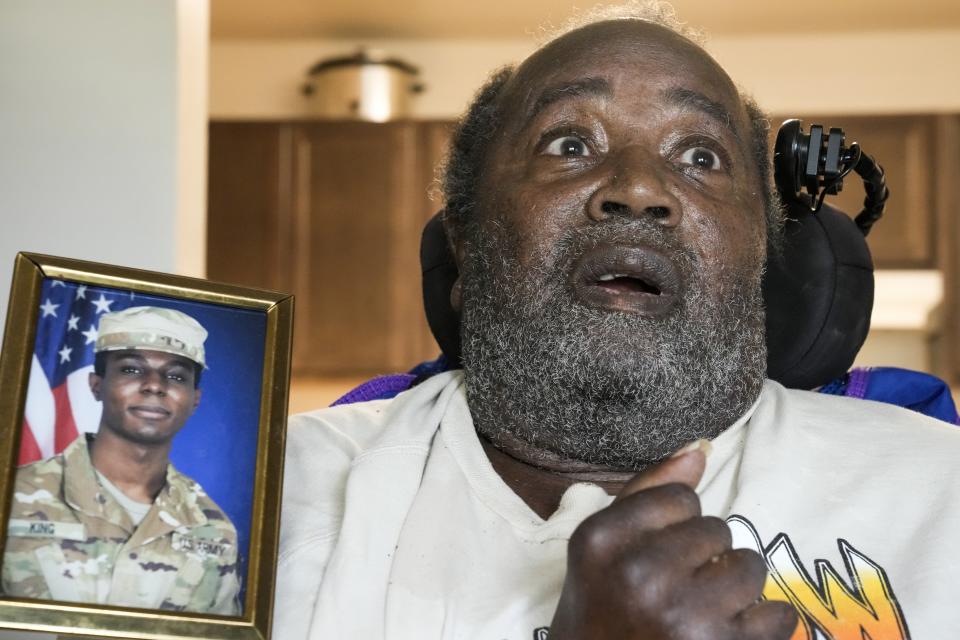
685 467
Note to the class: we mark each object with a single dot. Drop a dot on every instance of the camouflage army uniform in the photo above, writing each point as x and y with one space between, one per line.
69 539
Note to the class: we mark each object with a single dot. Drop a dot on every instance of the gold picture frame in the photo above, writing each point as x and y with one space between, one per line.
16 360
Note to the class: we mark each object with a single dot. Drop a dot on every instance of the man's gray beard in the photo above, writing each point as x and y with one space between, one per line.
608 388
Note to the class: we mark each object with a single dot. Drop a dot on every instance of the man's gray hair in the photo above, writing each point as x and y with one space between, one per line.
476 129
654 11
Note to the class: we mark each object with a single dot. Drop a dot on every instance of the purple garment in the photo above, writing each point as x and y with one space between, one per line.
384 387
914 390
380 388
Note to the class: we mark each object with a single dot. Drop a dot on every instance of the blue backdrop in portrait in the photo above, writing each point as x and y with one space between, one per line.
218 445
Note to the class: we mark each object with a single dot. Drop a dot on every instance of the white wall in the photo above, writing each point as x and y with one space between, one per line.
193 52
102 132
864 73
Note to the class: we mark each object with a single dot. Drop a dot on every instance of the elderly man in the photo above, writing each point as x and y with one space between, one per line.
609 206
110 520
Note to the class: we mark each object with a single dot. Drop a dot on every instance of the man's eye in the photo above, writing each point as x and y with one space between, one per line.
701 158
130 370
176 377
567 146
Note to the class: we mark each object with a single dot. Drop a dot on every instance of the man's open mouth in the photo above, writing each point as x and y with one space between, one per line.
624 278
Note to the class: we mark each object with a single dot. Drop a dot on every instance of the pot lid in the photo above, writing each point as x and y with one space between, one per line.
363 57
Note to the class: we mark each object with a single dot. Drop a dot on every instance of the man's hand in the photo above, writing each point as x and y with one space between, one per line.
649 566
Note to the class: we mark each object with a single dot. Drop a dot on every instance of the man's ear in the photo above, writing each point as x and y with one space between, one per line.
95 381
196 398
458 250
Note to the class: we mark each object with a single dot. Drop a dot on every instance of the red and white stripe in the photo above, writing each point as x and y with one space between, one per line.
54 417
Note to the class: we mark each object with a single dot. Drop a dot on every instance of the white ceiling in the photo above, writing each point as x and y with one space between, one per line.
519 18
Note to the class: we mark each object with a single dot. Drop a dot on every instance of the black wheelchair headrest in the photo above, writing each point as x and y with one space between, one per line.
818 295
439 273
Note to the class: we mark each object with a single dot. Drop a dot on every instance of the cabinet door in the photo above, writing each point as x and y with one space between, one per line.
249 212
946 162
903 145
332 212
358 206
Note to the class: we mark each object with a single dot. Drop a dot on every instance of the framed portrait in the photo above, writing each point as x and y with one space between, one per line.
142 417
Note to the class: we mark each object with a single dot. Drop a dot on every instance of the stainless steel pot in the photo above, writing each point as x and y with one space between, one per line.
365 86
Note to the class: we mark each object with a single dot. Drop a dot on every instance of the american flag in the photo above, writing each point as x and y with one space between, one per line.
59 403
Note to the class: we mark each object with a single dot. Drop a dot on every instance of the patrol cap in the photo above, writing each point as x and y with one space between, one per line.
152 328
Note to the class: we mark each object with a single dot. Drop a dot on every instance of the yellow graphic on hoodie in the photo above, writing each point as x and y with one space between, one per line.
859 606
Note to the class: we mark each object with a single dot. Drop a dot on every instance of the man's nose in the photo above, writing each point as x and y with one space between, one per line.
154 382
636 185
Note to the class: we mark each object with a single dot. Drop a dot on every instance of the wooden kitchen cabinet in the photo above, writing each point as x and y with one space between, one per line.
945 166
331 212
249 206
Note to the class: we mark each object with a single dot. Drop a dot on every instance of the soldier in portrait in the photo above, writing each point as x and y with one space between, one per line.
109 520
